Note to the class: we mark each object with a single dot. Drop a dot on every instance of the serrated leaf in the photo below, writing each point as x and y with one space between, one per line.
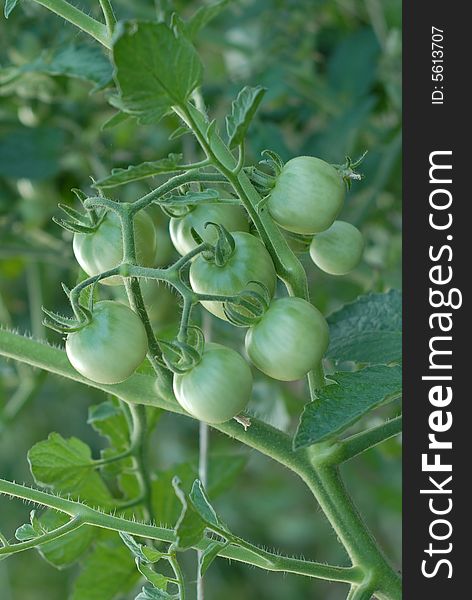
203 16
148 593
190 527
79 61
114 120
350 397
155 69
107 572
202 504
108 420
66 465
243 110
369 330
141 171
158 580
67 549
145 554
9 6
26 532
209 555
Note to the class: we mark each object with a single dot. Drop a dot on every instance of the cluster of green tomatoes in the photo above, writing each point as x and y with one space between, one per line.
285 340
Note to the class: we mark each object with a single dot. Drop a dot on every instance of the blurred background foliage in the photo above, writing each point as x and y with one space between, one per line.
332 69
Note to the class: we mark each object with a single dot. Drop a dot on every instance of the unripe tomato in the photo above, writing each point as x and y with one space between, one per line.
103 249
232 217
289 340
250 261
308 195
218 388
111 346
339 249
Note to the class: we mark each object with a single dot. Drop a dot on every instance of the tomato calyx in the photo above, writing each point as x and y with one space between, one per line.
249 306
181 356
223 248
78 222
348 170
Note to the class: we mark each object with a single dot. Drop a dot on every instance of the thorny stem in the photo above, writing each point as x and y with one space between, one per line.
256 556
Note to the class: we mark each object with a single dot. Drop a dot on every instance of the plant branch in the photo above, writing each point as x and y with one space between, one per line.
78 18
360 442
256 556
109 16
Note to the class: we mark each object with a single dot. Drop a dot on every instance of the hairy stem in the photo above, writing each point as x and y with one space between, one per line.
78 18
256 556
360 442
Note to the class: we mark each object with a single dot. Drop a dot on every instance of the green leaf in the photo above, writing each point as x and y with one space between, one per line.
26 532
67 466
148 593
369 330
190 527
209 555
158 580
141 171
31 152
146 554
242 112
202 505
155 69
78 61
166 505
9 6
203 16
108 420
108 572
67 549
113 121
342 403
223 469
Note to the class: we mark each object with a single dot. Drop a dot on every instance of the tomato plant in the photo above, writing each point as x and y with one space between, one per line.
113 329
190 217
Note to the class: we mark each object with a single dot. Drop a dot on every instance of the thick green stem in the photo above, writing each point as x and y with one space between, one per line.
81 20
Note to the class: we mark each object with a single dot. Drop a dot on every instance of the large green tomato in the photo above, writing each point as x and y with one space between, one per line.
339 249
250 261
230 216
308 195
111 346
103 249
289 340
218 388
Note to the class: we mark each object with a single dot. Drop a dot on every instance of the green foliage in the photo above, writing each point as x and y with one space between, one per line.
368 330
347 399
332 78
156 68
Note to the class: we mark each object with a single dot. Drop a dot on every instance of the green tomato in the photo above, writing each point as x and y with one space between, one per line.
230 216
308 195
111 346
250 261
339 249
218 388
103 249
289 340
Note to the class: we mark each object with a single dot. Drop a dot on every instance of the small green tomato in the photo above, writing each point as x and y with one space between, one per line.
339 249
217 388
111 346
308 195
289 340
